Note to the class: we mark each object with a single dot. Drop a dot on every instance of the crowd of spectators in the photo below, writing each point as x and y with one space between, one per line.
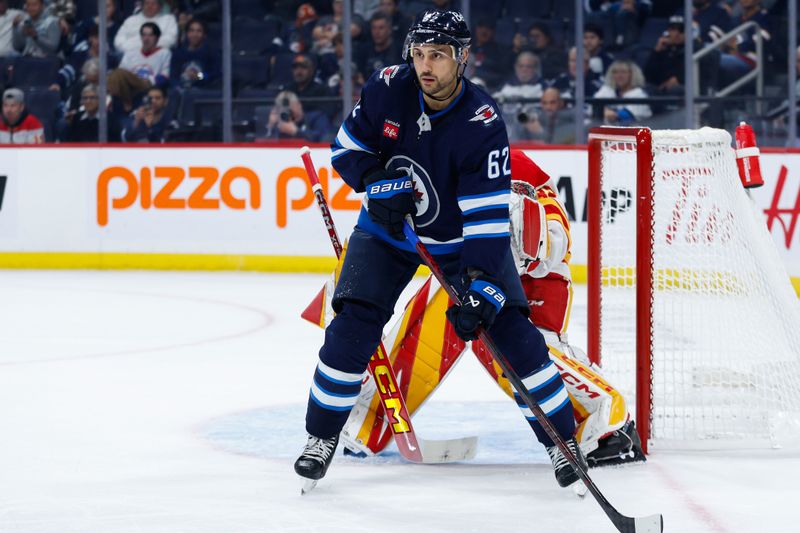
164 61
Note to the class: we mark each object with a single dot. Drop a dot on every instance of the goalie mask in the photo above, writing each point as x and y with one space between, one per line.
439 27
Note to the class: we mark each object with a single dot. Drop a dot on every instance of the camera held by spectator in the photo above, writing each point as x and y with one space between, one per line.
288 120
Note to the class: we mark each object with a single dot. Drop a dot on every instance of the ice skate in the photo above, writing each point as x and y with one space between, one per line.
313 463
565 474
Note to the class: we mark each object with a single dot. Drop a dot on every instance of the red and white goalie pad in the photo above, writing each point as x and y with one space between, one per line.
529 236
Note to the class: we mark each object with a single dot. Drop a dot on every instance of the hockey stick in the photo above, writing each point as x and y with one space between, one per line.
648 524
411 447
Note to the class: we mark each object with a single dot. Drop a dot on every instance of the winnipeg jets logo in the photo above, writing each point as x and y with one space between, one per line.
389 72
425 196
485 114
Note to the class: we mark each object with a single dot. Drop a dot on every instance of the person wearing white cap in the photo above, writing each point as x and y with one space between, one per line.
17 125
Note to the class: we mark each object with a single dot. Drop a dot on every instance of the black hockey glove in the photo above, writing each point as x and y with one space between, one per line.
478 308
390 196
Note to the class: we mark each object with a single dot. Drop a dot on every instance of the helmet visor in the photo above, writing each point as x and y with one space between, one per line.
423 36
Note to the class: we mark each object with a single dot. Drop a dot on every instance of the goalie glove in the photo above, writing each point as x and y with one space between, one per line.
529 233
479 307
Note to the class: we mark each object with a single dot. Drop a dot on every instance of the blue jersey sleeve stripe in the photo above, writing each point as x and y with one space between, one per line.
347 140
479 209
486 236
490 228
486 222
484 195
495 200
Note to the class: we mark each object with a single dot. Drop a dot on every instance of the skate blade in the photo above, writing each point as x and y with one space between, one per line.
579 488
308 486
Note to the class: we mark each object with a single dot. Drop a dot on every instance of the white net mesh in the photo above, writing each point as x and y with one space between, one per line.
726 320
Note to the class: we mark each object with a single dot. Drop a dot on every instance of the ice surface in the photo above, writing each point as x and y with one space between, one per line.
173 402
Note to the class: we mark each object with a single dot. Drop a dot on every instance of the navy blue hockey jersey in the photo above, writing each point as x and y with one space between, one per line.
458 158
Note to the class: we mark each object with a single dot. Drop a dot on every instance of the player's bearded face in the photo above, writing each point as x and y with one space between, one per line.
436 69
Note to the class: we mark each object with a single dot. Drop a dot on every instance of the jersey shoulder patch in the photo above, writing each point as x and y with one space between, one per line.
387 73
485 114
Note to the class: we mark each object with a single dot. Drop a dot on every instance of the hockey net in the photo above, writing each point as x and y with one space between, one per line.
691 312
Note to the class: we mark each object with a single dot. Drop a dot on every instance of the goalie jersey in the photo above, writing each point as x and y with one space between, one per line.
458 158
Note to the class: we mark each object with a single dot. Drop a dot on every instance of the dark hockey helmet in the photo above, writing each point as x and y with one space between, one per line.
438 27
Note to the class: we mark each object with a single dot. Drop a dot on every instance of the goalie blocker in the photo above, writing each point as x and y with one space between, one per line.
424 348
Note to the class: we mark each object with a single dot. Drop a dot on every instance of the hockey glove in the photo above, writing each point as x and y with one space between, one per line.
478 308
390 195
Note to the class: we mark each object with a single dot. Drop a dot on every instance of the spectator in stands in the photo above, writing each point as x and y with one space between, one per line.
7 17
712 20
150 61
288 120
624 17
80 35
743 51
565 82
322 36
83 123
599 59
150 121
551 56
91 48
526 83
140 68
385 50
552 123
69 80
90 75
489 61
64 12
194 64
127 37
305 85
299 37
624 79
400 22
329 63
665 68
357 24
36 34
18 126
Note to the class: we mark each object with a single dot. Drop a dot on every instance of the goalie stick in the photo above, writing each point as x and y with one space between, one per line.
624 524
411 447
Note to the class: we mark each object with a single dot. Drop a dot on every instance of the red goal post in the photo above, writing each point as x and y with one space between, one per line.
641 140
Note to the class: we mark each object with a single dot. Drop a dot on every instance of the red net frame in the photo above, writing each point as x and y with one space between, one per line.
641 138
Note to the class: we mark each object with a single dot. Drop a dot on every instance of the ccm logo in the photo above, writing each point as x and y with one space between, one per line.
161 194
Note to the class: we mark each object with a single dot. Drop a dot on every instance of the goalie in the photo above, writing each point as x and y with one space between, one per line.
424 348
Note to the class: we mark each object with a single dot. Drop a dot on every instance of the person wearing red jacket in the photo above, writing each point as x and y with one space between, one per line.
18 126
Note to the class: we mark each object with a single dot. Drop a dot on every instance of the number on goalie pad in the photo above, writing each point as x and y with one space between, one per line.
529 235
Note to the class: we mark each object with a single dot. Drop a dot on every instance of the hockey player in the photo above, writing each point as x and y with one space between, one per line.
541 246
423 140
